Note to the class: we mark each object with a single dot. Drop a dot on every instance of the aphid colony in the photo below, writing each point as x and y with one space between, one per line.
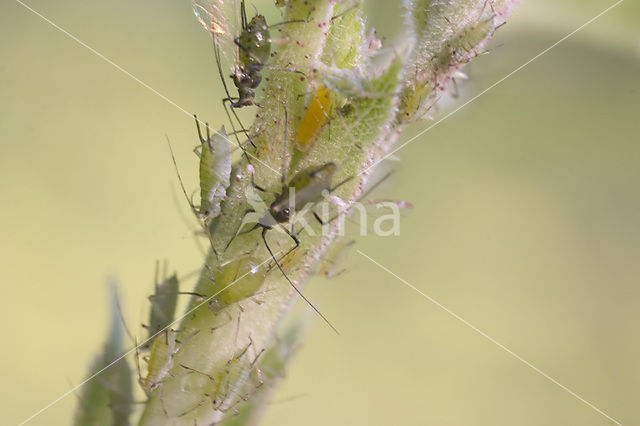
239 275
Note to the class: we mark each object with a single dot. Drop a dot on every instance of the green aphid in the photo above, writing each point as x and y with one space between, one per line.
236 280
215 172
460 48
160 362
224 392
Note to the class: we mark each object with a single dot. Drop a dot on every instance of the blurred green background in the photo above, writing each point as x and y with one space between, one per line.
526 220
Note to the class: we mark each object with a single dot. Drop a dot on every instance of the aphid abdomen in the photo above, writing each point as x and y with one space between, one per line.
215 171
160 360
255 43
236 280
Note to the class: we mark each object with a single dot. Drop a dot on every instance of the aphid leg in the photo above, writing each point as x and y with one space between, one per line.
235 132
175 165
360 198
292 21
341 183
164 408
454 93
254 363
270 68
221 325
283 166
344 12
189 337
241 309
264 232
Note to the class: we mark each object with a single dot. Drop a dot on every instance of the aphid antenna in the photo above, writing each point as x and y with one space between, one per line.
484 6
359 199
285 151
183 293
184 190
234 132
264 231
254 364
344 12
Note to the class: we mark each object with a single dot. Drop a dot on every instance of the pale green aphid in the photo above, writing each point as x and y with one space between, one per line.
243 276
215 170
459 49
456 51
224 393
160 362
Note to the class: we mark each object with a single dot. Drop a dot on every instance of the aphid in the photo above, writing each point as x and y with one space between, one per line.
160 362
316 115
215 172
245 45
224 385
247 276
447 58
251 44
306 187
461 47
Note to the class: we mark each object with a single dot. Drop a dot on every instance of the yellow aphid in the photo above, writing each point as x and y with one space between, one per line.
315 117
